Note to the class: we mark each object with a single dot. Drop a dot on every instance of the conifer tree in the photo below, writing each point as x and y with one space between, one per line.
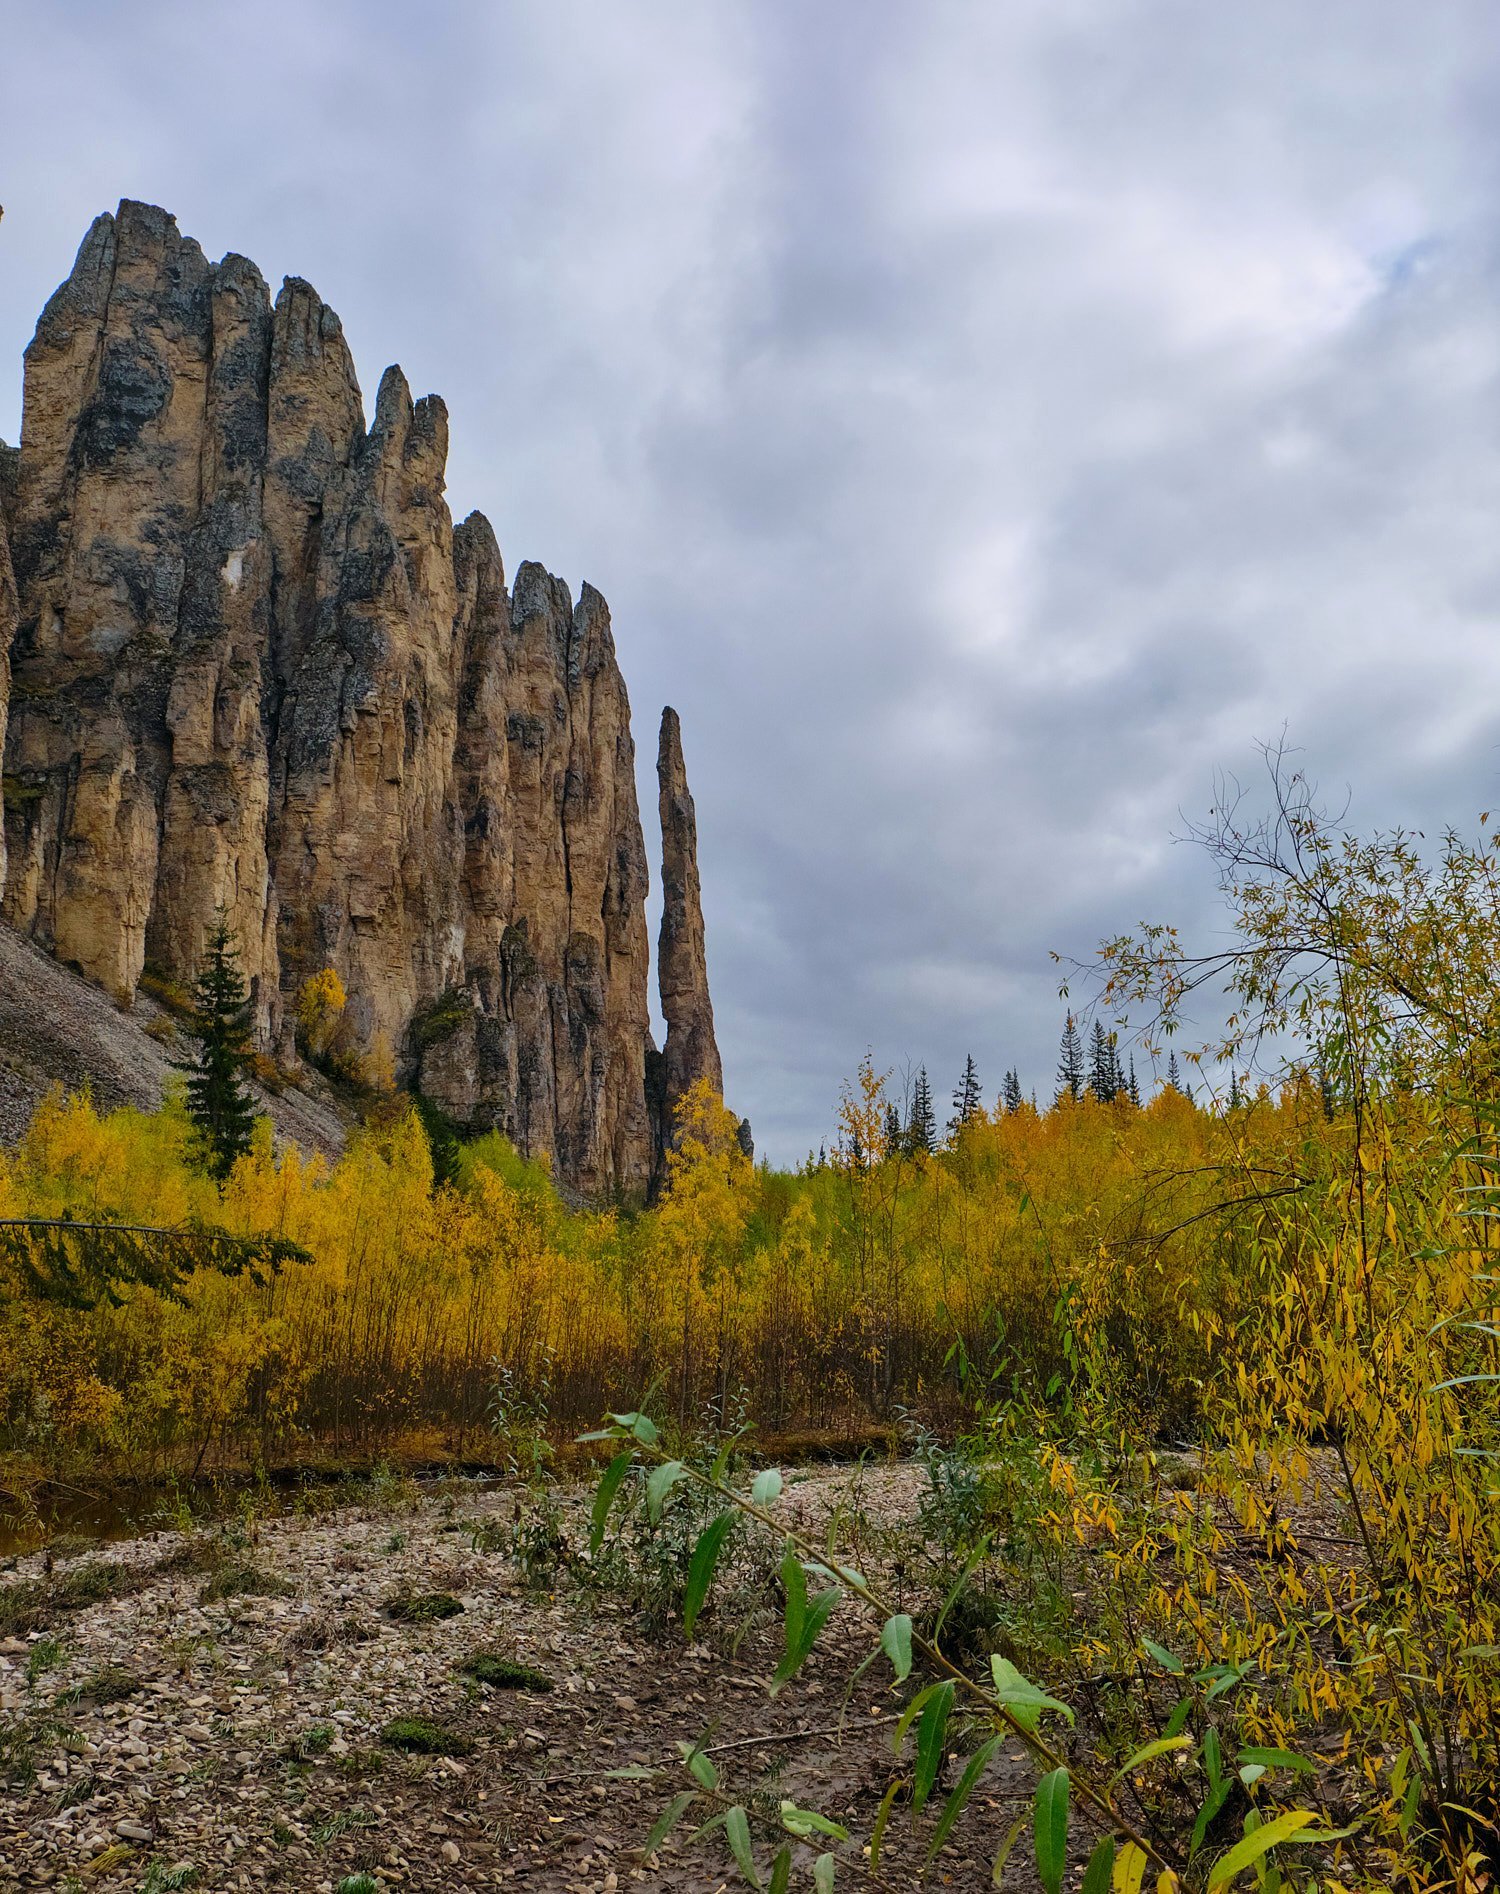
1174 1078
1011 1096
220 1107
1131 1084
1104 1071
1234 1091
966 1096
921 1130
894 1141
1069 1065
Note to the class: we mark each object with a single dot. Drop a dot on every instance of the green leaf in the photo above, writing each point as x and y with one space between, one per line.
1258 1842
1163 1746
954 1806
670 1816
605 1497
1177 1721
910 1714
1003 1852
737 1831
805 1822
932 1732
804 1619
1218 1795
1096 1876
1278 1759
767 1488
661 1482
644 1430
700 1766
895 1641
794 1585
1051 1819
823 1875
1163 1657
877 1833
701 1568
781 1871
1022 1697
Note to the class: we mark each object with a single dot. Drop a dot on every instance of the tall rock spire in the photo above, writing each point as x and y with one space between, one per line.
691 1052
258 672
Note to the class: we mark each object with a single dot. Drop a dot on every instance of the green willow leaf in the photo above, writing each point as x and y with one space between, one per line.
1021 1697
661 1482
605 1497
823 1875
932 1733
767 1488
877 1833
1051 1821
895 1641
737 1830
781 1872
670 1816
954 1806
1096 1876
701 1568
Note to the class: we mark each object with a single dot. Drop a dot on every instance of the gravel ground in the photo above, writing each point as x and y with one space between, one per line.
251 1747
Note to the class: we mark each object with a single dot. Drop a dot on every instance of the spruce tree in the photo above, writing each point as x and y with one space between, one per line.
921 1131
1069 1065
1104 1073
895 1143
1131 1084
1012 1092
220 1107
966 1096
1174 1078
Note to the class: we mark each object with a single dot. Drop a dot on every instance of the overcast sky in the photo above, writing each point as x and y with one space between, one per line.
985 420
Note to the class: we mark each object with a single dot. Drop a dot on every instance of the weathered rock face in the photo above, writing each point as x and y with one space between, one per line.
7 618
691 1052
257 670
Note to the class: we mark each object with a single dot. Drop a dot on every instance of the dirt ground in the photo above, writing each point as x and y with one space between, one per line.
249 1745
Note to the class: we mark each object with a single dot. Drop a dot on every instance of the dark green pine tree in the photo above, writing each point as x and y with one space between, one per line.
1104 1071
966 1096
1131 1084
1011 1096
895 1142
1069 1065
220 1107
1234 1091
1174 1077
921 1130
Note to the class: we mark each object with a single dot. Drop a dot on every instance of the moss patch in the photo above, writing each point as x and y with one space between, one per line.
423 1607
420 1736
500 1673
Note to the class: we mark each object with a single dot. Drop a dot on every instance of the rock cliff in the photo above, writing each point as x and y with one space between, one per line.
255 668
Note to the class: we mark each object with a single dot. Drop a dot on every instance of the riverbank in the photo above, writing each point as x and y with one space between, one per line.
225 1709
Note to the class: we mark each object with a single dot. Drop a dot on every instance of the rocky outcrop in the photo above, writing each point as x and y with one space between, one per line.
257 670
691 1051
8 614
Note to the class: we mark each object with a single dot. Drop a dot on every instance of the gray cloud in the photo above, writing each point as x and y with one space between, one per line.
985 422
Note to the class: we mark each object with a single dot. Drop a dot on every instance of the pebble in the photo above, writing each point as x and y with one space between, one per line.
449 1852
132 1831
